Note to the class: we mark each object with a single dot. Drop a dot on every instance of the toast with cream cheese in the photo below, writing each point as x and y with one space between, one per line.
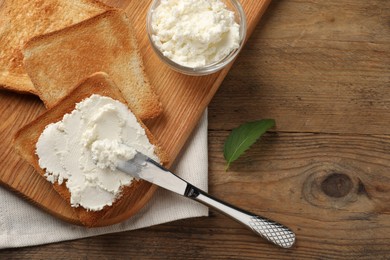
132 198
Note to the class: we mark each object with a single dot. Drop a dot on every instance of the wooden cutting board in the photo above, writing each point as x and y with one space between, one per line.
184 99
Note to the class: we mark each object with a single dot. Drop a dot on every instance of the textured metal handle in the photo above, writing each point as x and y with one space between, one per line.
272 231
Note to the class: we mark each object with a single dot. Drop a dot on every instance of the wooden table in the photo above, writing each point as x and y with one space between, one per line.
321 69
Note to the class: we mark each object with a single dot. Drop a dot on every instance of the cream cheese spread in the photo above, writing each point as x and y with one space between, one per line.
194 33
85 146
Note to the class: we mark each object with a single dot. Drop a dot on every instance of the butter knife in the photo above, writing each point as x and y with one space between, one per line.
143 167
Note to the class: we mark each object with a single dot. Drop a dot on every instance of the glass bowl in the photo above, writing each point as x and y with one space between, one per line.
240 19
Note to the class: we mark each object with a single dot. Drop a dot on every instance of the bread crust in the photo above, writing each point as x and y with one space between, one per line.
132 196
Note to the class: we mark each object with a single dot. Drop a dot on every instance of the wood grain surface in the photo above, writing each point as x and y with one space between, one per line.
321 69
184 99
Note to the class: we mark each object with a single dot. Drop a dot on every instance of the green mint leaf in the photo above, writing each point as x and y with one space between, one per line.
242 137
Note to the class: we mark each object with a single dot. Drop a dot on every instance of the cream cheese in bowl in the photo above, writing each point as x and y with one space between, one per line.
83 148
196 37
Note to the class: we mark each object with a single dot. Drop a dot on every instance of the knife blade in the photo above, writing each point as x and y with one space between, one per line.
143 167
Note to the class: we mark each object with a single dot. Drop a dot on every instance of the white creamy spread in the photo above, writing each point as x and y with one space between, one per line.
85 146
194 33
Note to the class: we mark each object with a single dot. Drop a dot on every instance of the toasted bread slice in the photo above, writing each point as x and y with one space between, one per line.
56 62
134 196
23 19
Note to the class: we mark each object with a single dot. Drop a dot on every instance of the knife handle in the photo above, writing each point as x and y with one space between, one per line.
272 231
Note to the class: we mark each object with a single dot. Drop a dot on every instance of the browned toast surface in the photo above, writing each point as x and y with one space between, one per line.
57 61
23 19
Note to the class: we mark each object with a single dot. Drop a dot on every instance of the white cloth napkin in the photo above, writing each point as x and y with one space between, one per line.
22 224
